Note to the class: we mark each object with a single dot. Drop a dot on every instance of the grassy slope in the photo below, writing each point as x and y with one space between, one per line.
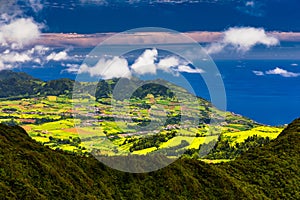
31 171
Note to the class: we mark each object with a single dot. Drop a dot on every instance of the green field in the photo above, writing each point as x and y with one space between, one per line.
49 120
263 131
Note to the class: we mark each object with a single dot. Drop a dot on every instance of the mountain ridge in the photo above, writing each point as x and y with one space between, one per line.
29 170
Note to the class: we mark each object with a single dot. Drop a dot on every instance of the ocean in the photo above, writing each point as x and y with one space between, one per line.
270 98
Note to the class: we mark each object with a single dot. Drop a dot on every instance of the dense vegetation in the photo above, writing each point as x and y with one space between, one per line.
151 141
19 84
16 85
29 170
223 148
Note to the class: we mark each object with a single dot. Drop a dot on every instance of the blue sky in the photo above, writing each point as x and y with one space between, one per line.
30 30
94 16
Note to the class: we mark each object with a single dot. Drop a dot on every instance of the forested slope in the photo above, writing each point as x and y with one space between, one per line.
29 170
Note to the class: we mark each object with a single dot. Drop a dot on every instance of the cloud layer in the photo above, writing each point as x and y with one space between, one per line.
147 63
242 39
90 40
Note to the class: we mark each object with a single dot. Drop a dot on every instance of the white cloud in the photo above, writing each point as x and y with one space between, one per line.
19 32
167 63
37 60
215 48
13 57
63 55
40 49
242 39
145 64
116 67
71 68
188 69
171 64
282 72
245 38
258 73
250 3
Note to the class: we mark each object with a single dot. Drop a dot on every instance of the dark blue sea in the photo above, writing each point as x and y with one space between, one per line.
269 98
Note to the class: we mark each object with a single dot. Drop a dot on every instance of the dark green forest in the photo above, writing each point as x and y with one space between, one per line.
29 170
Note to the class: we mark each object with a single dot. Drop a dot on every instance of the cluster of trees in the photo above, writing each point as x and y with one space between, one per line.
156 90
17 84
45 120
224 150
141 89
177 150
57 87
76 141
149 141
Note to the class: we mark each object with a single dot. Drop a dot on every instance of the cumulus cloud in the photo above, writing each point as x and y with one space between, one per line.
13 57
63 55
258 73
19 32
167 63
148 63
242 39
282 72
145 64
116 67
245 38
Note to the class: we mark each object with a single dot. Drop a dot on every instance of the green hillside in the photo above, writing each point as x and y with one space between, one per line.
46 111
29 170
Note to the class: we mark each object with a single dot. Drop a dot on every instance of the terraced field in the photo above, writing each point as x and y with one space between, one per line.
50 120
